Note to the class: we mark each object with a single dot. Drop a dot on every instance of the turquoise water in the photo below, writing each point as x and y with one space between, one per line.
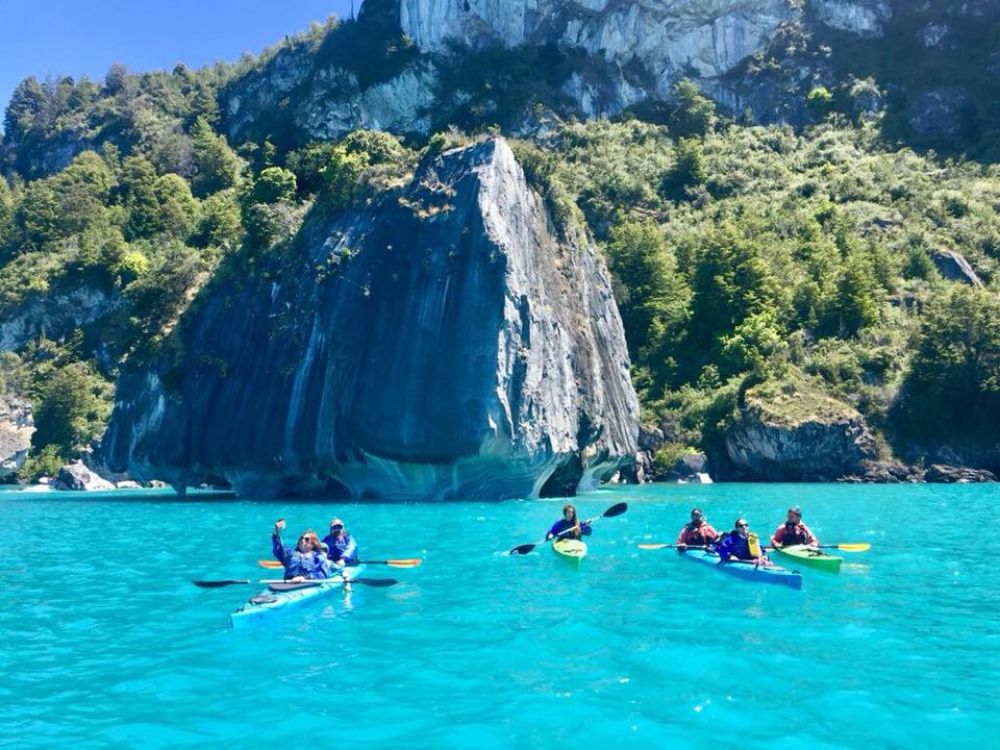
105 642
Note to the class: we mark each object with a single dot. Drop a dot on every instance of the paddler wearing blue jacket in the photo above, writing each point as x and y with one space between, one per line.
341 547
306 560
569 524
742 544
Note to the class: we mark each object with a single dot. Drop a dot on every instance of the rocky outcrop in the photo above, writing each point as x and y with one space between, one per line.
441 343
943 474
939 113
955 267
866 18
800 435
16 429
54 315
76 476
709 37
623 53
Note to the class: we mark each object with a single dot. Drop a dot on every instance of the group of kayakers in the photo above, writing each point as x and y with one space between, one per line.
741 543
313 557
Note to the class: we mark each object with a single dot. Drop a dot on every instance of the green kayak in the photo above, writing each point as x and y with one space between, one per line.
811 556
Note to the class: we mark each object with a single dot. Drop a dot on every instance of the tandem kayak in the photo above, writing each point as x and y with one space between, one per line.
269 602
570 549
746 570
811 556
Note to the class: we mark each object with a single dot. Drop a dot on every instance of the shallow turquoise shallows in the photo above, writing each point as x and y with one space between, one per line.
104 642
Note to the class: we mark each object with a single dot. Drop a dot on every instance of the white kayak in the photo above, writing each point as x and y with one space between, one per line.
271 601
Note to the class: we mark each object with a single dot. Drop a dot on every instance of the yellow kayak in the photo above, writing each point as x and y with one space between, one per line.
570 549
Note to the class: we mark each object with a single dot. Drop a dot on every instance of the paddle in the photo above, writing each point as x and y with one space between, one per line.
615 510
282 585
411 562
852 547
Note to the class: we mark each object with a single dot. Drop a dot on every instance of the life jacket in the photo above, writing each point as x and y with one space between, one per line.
753 544
695 535
795 533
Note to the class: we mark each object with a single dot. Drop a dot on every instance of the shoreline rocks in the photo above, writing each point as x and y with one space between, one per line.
77 477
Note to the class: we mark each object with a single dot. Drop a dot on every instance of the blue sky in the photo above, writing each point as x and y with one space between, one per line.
83 37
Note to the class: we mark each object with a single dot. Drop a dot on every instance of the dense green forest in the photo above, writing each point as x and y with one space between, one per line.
799 262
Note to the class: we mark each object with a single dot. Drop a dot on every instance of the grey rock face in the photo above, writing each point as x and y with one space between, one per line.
935 35
866 18
709 36
76 476
954 266
812 450
441 343
55 315
939 113
16 429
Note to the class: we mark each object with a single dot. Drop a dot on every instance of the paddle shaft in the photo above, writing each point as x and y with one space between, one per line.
401 563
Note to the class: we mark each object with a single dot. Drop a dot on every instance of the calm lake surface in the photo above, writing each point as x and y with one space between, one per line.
104 642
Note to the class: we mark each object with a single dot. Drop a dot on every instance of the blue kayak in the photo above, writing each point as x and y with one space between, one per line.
747 570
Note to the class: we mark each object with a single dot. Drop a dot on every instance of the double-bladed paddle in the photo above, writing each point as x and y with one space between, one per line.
615 510
411 562
282 585
846 547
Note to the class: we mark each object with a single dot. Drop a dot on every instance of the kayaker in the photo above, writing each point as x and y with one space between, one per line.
698 533
793 531
742 544
341 547
569 526
306 560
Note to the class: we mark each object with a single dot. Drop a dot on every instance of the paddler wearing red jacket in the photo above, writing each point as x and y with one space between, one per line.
793 531
698 533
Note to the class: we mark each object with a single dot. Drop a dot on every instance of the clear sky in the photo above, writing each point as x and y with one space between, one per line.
83 37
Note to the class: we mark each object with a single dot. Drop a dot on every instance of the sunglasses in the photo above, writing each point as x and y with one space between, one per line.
743 525
336 527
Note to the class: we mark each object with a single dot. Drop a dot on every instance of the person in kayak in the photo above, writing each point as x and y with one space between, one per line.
793 531
569 526
741 544
307 560
698 533
341 547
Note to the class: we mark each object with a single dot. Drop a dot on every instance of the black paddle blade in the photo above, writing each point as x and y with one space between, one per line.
522 549
217 584
615 510
377 582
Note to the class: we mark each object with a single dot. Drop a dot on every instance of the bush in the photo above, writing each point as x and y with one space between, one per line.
71 408
274 185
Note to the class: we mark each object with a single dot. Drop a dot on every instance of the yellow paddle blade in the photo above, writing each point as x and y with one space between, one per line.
270 564
860 547
411 562
653 546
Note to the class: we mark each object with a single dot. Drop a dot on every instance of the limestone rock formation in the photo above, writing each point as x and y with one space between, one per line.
800 435
443 342
866 18
16 428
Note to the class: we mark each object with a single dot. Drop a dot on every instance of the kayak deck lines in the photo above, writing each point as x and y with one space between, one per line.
271 601
811 556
